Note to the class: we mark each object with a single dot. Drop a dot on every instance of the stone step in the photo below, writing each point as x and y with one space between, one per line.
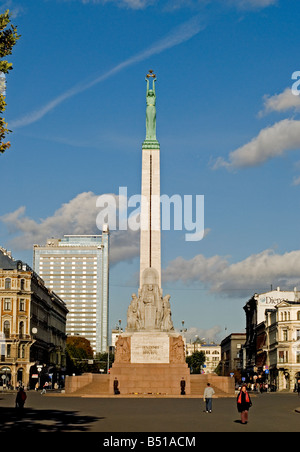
98 385
199 383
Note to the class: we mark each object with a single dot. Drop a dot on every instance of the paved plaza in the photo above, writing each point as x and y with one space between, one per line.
271 412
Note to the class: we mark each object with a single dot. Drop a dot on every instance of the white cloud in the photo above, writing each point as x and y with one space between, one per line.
271 142
77 216
239 4
136 4
296 181
133 4
141 4
252 4
178 35
14 9
209 335
281 102
254 273
176 4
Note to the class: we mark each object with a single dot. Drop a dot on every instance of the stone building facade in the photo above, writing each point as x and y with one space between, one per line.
212 355
282 328
271 354
32 327
231 349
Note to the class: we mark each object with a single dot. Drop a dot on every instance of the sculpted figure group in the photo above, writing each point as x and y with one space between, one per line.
149 311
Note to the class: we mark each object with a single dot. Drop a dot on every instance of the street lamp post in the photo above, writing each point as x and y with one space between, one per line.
183 330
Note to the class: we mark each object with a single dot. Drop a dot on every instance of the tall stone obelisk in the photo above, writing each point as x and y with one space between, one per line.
150 236
150 311
150 355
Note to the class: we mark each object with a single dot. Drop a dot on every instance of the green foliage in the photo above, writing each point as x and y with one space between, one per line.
195 361
79 347
78 352
101 361
79 357
218 369
8 38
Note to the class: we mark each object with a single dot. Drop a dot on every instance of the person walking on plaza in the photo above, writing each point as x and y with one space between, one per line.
21 398
298 387
207 397
45 387
243 404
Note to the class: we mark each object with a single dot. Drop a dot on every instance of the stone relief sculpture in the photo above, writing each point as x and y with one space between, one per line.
132 313
167 323
122 353
177 354
149 311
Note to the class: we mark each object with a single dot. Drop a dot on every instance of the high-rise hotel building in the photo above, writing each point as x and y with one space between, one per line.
76 267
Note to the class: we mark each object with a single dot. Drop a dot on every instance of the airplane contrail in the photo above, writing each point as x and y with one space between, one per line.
178 35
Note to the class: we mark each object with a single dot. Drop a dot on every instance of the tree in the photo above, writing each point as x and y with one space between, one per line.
102 360
195 361
78 352
8 38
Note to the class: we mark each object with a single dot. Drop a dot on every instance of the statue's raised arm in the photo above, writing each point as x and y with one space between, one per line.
151 108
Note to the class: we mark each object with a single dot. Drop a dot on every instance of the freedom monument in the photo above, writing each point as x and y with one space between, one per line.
150 355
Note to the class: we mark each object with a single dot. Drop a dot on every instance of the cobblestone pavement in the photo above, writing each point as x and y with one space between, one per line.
274 412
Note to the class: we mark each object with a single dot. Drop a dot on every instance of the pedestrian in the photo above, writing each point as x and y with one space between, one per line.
207 397
298 387
243 404
182 386
116 387
20 398
44 388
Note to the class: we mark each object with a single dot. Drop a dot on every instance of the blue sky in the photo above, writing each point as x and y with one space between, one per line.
227 122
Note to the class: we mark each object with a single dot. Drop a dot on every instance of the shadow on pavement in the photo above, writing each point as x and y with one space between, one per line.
30 420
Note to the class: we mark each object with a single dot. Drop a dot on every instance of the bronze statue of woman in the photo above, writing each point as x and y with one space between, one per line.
151 109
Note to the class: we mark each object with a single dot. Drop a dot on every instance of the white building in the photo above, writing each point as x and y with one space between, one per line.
269 300
212 354
76 267
282 327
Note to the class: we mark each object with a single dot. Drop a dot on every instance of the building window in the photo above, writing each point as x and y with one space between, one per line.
297 335
22 304
21 351
7 304
6 328
284 335
7 283
8 350
22 284
298 315
21 329
283 356
2 350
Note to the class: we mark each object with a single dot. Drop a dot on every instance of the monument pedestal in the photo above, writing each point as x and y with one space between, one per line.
150 363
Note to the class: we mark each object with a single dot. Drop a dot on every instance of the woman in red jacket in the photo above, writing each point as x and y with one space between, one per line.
243 404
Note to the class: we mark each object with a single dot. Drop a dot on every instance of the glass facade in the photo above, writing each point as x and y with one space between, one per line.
76 267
